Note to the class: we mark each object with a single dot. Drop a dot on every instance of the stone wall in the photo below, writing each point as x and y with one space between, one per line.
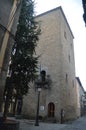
55 48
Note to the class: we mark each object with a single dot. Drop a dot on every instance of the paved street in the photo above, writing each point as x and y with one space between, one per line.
79 124
43 126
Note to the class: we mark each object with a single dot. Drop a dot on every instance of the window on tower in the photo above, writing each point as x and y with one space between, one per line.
66 77
65 35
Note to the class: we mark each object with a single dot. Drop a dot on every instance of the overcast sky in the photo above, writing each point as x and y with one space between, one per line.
73 11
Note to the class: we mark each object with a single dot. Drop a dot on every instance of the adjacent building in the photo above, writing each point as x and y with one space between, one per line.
9 13
56 58
81 97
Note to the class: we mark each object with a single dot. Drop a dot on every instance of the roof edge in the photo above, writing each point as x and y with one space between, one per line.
78 79
57 8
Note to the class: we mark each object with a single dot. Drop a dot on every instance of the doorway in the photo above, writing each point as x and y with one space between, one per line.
51 109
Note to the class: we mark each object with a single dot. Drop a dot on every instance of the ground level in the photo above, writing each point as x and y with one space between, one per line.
79 124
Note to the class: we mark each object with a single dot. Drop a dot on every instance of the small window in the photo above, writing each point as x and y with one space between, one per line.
43 75
65 35
66 77
69 58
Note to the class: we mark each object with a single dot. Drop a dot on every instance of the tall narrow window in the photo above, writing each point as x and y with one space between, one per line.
66 77
65 35
69 58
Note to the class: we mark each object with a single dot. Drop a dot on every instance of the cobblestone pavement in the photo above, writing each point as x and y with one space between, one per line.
79 124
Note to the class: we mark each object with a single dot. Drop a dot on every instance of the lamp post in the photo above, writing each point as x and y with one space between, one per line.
37 113
40 83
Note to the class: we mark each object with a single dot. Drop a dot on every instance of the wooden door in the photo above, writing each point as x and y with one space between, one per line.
51 109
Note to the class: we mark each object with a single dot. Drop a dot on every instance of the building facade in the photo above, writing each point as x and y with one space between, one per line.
56 58
9 13
82 96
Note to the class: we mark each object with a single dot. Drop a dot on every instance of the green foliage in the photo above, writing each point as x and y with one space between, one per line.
23 64
84 8
23 59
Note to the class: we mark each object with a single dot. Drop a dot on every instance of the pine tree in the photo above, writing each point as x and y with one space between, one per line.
84 8
23 59
24 62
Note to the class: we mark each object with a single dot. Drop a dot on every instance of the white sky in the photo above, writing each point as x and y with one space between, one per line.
73 11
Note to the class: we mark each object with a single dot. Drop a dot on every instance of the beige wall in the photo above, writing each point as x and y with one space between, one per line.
55 48
78 97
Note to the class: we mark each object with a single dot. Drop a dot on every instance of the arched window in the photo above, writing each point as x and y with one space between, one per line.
43 75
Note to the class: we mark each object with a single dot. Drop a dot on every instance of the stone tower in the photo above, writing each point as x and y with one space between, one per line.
9 13
55 48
